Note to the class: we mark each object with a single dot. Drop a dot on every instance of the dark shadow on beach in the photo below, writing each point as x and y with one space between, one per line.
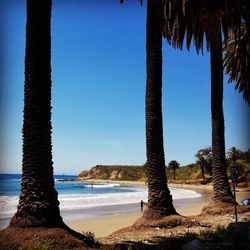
235 236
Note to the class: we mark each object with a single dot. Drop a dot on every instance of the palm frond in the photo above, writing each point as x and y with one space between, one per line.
192 20
237 61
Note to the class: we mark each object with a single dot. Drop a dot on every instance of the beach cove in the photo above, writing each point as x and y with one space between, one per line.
102 207
85 200
112 218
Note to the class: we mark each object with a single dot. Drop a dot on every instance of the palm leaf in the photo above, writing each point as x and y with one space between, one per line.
237 61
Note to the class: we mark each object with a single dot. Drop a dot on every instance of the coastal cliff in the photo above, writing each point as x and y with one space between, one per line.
189 174
114 172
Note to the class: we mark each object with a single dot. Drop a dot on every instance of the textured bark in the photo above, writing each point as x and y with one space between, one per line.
38 203
202 171
159 199
221 188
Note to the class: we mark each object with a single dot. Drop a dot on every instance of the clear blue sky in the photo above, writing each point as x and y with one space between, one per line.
98 74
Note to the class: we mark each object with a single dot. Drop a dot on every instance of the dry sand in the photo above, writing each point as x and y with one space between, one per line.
105 225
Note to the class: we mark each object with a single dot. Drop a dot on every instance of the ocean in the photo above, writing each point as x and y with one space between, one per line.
78 196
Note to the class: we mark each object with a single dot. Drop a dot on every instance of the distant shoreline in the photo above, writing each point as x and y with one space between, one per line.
123 183
201 187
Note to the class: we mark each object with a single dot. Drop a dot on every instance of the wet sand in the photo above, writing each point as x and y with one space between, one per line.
115 217
104 220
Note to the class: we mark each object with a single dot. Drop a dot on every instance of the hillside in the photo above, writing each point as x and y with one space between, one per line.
114 172
189 174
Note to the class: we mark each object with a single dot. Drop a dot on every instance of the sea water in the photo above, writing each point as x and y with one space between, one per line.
75 195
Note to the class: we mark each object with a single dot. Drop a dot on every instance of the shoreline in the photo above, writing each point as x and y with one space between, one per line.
104 225
101 211
125 215
208 186
122 183
103 220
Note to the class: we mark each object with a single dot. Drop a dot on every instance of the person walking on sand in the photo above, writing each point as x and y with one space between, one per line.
142 203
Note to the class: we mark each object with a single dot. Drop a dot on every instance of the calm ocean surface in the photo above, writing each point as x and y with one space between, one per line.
78 195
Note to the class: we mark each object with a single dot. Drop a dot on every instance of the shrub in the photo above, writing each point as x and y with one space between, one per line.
39 245
90 240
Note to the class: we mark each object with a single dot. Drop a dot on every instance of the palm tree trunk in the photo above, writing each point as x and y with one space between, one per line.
159 199
38 203
174 174
221 188
202 172
210 171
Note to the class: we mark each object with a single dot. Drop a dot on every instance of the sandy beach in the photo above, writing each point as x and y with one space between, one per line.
105 219
126 215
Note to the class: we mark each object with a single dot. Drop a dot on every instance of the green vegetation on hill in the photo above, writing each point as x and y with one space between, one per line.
114 172
137 173
189 174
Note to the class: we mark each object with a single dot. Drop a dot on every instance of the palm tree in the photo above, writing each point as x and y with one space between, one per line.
201 162
160 201
237 60
233 154
193 20
204 160
174 165
221 188
38 203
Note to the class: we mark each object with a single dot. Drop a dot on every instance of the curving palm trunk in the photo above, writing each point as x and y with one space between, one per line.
174 174
38 203
221 188
159 198
202 170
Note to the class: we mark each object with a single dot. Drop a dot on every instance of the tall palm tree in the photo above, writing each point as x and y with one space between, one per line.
160 201
233 154
38 203
237 60
221 188
193 20
174 165
201 162
204 160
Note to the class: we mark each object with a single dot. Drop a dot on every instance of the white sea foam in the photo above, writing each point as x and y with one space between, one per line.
101 185
8 204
